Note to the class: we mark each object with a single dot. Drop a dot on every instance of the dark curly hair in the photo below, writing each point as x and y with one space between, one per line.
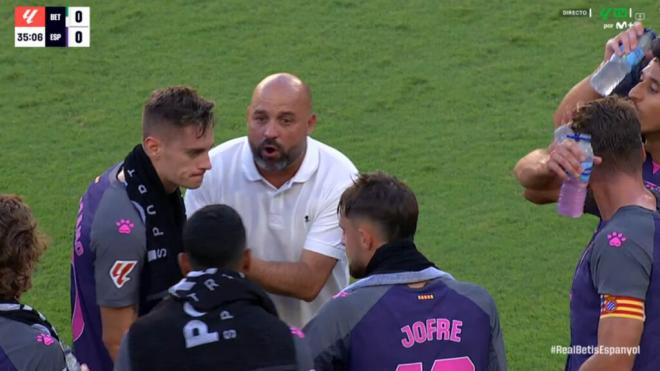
21 245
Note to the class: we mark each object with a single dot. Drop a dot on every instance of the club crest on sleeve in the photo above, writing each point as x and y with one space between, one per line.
120 270
607 303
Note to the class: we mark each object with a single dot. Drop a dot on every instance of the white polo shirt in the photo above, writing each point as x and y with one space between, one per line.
280 223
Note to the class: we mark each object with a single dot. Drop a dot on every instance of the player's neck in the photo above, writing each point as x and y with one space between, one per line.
617 191
417 285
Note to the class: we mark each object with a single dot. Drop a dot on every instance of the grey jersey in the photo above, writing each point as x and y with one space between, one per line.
109 254
118 242
28 348
616 277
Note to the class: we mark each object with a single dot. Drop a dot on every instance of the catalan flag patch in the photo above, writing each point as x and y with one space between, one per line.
425 297
621 306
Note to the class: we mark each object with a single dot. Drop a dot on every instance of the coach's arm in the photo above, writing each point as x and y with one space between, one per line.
303 279
615 332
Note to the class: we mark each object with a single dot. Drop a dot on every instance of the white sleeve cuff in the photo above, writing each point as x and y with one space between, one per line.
323 248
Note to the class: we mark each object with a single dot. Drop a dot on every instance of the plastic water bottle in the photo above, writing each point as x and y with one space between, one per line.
574 190
562 133
71 361
610 74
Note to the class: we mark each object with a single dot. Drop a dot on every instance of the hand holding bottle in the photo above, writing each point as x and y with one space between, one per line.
625 52
624 42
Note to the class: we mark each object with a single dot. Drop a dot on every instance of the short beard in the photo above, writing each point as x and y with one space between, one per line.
282 163
278 165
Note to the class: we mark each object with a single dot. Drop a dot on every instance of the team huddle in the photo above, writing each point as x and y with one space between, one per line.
249 269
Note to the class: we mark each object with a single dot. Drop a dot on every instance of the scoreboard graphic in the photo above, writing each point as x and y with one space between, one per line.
51 26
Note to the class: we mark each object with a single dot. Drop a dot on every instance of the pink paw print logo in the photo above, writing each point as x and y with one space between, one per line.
340 294
125 226
45 339
616 239
297 332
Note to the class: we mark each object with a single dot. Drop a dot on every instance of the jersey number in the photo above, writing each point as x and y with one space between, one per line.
445 364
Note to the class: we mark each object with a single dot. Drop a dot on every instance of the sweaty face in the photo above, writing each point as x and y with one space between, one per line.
350 237
278 124
647 100
185 157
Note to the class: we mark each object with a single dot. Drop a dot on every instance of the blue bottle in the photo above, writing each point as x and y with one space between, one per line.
610 74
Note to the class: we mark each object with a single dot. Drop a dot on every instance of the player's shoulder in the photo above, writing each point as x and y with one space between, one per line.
471 291
101 183
630 226
106 185
332 158
108 204
117 212
117 220
30 347
354 301
344 311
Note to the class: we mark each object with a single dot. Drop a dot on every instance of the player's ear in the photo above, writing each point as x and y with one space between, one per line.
366 237
152 146
184 263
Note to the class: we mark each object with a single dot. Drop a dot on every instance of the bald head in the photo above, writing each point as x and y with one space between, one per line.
279 120
284 86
